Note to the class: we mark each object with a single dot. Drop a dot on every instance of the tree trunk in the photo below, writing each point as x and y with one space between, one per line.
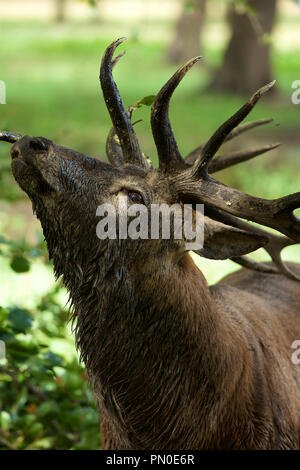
186 42
247 64
60 10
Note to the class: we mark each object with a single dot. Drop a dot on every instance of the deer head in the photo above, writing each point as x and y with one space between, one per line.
66 187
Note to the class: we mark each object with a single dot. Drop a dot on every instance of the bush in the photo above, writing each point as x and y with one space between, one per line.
45 400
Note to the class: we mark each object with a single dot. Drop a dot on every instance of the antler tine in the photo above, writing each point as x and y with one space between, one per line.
113 149
194 184
221 162
192 156
9 137
274 247
118 114
276 213
167 149
275 253
255 266
247 127
117 58
214 143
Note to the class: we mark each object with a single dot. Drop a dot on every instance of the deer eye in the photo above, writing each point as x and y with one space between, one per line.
135 197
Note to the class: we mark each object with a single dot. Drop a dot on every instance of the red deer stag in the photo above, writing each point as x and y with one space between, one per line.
174 363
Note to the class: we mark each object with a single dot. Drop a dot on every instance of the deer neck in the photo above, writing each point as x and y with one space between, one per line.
148 339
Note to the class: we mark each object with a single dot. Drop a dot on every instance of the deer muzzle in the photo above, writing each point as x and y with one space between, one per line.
33 164
39 165
26 147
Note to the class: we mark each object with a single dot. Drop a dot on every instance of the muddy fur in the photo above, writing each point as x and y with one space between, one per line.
173 363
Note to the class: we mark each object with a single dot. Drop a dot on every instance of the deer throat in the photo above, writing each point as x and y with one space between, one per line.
137 341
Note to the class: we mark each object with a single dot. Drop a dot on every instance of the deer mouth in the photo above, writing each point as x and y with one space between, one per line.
29 178
21 163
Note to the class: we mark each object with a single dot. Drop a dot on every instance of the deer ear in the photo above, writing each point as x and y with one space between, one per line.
222 241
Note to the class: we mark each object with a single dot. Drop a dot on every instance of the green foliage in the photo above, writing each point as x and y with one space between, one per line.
7 192
93 3
20 254
45 401
268 39
245 7
189 6
147 101
19 264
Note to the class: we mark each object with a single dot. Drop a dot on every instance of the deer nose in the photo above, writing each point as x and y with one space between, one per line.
27 145
15 152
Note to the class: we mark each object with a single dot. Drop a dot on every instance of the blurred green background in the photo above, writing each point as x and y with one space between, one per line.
49 60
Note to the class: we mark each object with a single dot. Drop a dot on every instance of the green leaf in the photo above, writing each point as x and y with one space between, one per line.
20 319
3 318
189 7
5 378
147 101
35 429
44 443
19 264
47 408
21 399
21 347
4 241
51 360
267 39
5 420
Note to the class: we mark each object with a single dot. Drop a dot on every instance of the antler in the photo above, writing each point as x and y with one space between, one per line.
214 143
274 246
245 155
224 161
276 214
113 148
195 184
167 149
120 119
9 137
247 127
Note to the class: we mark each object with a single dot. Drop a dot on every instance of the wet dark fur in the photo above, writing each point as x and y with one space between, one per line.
173 363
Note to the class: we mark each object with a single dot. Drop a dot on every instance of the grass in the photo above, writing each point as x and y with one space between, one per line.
51 74
46 73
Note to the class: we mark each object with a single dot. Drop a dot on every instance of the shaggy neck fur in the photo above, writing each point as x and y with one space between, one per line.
170 367
158 359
